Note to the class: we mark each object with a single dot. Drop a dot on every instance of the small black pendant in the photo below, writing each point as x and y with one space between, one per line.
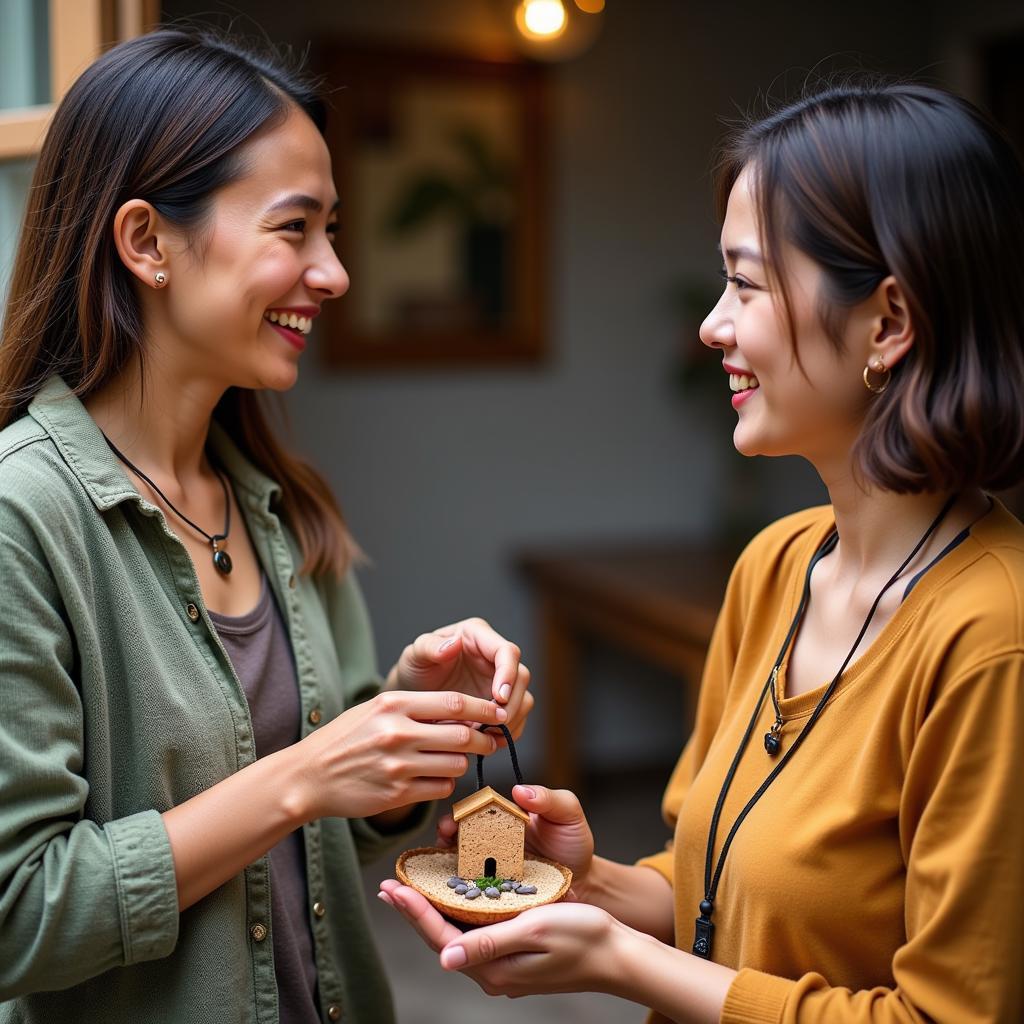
702 938
222 562
772 743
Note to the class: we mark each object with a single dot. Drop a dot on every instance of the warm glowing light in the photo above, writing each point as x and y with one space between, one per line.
541 19
590 6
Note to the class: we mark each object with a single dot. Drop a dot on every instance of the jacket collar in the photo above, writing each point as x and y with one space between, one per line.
60 412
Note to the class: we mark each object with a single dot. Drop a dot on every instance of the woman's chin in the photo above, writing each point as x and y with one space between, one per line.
745 441
277 378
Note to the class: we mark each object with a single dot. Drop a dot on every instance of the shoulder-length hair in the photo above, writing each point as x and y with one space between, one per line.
872 178
161 117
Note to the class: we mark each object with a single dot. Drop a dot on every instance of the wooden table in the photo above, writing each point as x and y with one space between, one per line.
657 602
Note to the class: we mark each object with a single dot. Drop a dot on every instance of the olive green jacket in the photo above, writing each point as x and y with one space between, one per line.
117 702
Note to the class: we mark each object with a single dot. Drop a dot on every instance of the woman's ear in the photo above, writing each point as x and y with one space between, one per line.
892 333
140 241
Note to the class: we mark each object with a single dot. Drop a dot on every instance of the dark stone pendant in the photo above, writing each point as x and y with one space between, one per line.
703 937
222 562
772 743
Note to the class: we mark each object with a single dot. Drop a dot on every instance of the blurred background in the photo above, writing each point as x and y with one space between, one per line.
512 402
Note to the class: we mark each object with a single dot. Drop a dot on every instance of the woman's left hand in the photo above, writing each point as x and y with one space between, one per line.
561 947
470 657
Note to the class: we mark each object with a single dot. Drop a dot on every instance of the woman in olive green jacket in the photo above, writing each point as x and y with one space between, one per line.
195 746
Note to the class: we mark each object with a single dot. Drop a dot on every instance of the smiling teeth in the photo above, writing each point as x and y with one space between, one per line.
303 324
741 382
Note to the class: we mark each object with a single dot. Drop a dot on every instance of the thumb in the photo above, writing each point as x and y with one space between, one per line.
558 805
430 649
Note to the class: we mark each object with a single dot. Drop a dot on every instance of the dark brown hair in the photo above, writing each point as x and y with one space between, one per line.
161 117
871 178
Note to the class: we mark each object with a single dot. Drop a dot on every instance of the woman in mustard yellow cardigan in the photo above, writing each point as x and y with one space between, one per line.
848 842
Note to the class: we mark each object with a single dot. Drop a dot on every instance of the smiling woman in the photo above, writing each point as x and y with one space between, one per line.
196 746
848 847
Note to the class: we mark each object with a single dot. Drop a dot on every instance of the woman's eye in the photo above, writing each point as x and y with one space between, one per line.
294 225
740 283
332 229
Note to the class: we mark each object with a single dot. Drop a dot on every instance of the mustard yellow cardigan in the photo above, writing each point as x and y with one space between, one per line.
881 876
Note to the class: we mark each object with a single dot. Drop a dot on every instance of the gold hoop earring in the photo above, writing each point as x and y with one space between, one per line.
878 366
160 278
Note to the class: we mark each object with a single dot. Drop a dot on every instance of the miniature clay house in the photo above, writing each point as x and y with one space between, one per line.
492 836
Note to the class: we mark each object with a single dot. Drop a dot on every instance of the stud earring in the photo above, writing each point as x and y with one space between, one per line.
160 278
877 366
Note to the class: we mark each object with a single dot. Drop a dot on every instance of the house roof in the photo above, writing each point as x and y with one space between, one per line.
480 799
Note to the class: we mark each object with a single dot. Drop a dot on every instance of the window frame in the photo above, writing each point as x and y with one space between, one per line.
79 31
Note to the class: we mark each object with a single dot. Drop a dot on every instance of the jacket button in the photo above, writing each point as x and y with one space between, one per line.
258 932
334 1012
192 611
291 581
319 909
315 716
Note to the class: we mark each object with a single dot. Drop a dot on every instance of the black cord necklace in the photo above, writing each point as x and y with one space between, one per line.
705 929
221 559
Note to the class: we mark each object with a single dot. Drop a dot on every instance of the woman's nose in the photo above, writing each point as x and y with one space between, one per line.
328 275
717 329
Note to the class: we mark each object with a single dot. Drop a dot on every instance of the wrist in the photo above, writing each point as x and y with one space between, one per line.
671 981
296 795
627 960
589 882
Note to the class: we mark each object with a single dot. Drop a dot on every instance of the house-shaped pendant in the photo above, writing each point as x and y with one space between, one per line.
492 836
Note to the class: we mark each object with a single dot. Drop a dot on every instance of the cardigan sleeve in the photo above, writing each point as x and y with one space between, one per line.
962 836
76 897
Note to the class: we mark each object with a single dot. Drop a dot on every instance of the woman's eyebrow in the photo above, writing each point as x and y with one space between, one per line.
304 202
743 252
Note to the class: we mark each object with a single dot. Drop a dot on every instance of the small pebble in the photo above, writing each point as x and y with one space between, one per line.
491 893
472 893
526 890
507 886
462 888
453 882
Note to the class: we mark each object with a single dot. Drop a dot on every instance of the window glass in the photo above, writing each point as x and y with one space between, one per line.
24 53
15 176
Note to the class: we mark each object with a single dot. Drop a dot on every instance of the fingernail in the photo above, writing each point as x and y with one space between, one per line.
454 958
504 690
502 715
385 898
530 794
446 644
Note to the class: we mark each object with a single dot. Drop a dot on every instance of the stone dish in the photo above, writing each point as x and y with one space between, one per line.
427 870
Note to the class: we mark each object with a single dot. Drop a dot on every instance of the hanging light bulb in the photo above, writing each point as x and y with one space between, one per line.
552 30
541 19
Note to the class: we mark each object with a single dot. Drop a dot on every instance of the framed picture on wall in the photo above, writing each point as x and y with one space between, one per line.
439 162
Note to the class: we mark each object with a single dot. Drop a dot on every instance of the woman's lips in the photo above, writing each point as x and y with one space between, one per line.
741 396
294 338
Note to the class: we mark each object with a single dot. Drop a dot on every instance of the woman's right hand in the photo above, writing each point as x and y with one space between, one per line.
557 830
397 748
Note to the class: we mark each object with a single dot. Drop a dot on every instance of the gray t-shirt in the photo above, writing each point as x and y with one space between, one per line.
257 644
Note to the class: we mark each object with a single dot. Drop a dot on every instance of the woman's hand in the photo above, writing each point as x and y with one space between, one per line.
557 830
396 749
467 657
562 947
570 947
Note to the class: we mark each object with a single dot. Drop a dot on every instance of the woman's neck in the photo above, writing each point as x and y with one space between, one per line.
161 427
878 529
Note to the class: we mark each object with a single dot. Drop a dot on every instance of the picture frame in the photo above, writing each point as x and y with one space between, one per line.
439 159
